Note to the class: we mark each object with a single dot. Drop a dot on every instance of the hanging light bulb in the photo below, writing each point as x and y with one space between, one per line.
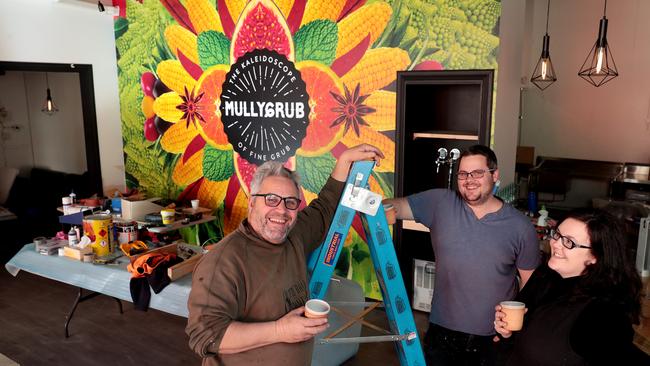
599 62
544 73
599 66
49 107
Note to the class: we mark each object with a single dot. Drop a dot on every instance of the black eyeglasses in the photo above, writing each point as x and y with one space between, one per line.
475 174
554 234
273 200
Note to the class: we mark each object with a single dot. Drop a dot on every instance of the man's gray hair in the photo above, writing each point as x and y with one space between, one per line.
273 168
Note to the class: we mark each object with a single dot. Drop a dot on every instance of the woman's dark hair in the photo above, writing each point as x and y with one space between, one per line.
613 276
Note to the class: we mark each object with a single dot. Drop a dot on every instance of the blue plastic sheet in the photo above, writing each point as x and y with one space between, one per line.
109 280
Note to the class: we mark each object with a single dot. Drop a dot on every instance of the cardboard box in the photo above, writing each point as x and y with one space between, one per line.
183 268
525 155
135 210
423 276
76 253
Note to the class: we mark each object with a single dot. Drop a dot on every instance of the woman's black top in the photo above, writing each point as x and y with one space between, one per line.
563 327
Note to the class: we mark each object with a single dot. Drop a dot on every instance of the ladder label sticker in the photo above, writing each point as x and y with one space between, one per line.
361 199
333 248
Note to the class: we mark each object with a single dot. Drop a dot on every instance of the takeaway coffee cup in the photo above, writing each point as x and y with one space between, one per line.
514 311
316 308
389 209
195 204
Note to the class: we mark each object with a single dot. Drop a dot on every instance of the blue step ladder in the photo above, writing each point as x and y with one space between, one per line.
357 198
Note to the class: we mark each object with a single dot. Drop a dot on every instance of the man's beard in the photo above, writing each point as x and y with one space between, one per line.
475 197
276 234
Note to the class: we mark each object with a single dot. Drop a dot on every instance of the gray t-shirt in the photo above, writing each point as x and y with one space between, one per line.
476 260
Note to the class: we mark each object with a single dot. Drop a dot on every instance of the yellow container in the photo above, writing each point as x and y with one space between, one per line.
99 228
168 216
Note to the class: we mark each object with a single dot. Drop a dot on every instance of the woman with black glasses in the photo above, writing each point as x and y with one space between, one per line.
581 306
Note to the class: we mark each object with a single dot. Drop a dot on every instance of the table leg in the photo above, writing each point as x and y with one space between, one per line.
119 303
81 298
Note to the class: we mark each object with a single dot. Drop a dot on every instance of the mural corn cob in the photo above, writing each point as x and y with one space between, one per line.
188 171
204 16
174 76
181 39
377 68
322 10
371 18
284 6
384 103
372 137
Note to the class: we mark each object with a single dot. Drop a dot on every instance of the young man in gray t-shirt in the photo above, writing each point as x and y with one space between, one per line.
480 245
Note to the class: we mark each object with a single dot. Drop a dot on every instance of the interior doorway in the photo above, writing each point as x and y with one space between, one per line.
78 79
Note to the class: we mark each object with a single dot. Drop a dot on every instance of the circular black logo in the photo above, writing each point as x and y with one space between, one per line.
264 107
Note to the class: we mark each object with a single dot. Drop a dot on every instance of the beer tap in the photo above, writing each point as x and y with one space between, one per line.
455 154
442 158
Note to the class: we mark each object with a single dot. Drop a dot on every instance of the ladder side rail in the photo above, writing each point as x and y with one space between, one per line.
389 275
323 266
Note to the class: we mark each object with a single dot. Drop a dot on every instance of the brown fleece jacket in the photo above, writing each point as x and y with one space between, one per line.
247 279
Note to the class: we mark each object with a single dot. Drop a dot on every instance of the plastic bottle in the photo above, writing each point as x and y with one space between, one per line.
73 240
67 203
543 217
532 202
73 196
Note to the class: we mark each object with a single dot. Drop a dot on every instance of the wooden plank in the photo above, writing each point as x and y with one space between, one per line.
179 224
412 225
183 268
448 136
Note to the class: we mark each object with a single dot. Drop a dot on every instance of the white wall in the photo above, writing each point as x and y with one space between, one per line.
506 121
16 144
572 118
47 31
52 141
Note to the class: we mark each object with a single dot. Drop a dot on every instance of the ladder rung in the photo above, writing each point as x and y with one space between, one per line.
356 303
370 339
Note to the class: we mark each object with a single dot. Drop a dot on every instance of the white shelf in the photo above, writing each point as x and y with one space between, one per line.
179 225
448 136
412 225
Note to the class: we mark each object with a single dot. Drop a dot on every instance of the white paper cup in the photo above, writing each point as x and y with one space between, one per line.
389 209
195 204
316 308
514 311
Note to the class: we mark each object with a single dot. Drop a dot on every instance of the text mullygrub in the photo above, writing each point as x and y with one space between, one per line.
264 109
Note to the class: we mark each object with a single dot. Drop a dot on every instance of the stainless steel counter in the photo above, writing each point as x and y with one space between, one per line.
635 173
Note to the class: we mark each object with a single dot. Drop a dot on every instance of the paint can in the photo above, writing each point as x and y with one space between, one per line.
99 228
125 231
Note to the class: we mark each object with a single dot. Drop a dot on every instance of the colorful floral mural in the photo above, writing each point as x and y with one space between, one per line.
175 59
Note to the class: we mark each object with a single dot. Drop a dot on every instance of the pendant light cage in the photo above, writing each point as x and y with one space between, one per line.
599 66
49 107
544 73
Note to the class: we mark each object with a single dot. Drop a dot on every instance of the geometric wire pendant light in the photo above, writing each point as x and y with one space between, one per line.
544 73
599 66
49 107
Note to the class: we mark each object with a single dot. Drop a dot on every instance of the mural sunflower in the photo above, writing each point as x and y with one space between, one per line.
330 45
